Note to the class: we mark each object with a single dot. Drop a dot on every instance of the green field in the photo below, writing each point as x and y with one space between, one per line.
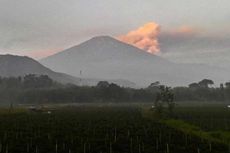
115 129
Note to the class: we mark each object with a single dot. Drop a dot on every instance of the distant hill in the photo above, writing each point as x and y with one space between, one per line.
104 57
13 66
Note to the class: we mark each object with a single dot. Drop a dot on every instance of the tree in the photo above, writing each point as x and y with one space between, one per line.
34 81
103 84
44 81
115 92
154 84
205 83
29 80
159 104
194 85
165 96
227 84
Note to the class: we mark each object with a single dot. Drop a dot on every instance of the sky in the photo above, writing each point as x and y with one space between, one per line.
187 31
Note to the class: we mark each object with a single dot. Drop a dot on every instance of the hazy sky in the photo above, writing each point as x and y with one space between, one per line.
39 28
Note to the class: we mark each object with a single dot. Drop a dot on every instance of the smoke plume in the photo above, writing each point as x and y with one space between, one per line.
145 37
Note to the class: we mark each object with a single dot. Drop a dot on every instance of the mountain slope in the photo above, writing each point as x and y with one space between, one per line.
106 58
11 65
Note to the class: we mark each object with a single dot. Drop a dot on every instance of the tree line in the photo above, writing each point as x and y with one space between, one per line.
40 89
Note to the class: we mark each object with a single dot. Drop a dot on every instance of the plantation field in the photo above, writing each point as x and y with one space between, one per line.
110 129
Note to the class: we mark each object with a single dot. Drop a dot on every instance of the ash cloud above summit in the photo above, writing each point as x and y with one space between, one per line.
145 37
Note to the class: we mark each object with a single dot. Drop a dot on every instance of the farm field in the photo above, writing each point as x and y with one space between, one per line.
110 129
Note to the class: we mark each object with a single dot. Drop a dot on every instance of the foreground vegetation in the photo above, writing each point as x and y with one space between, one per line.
101 129
159 127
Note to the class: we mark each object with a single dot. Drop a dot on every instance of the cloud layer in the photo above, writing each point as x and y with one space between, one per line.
145 37
184 30
193 45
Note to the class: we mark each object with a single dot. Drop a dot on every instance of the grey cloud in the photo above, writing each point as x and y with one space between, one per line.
205 49
188 43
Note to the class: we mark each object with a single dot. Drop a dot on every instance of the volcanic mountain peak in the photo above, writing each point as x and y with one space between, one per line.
100 48
104 57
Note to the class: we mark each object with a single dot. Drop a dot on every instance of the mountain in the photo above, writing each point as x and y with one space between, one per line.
104 57
13 66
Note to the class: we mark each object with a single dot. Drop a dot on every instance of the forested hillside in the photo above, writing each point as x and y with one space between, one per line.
42 89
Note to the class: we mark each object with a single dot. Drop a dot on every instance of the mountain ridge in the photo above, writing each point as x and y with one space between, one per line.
14 66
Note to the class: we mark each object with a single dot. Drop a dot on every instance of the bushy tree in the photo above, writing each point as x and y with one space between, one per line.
205 83
194 85
103 84
165 96
227 84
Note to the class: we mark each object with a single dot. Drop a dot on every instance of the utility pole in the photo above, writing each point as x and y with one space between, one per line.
80 78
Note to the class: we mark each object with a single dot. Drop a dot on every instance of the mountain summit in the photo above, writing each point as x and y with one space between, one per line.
102 46
104 57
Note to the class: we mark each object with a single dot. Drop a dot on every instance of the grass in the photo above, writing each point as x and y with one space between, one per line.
214 136
210 122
